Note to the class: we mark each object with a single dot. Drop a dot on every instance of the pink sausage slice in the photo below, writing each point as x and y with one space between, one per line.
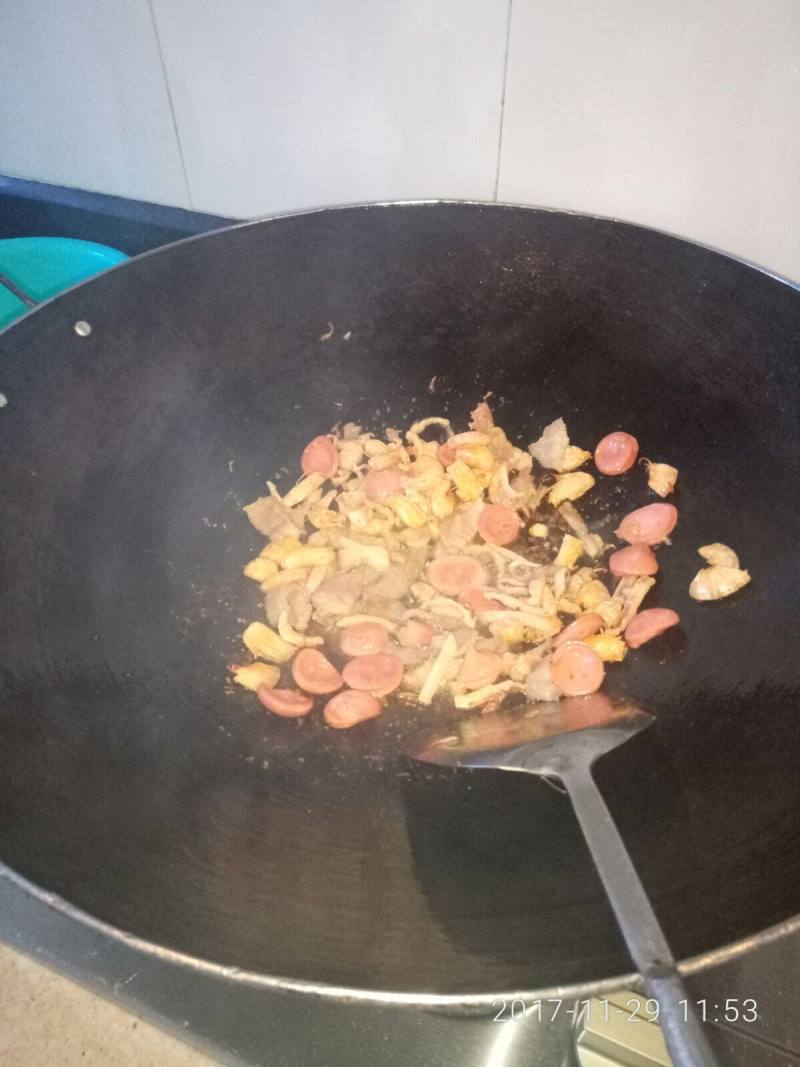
649 624
364 639
314 672
499 525
648 525
349 707
481 418
451 575
480 669
476 600
320 456
381 486
616 453
286 702
592 710
584 626
576 669
635 559
415 634
379 674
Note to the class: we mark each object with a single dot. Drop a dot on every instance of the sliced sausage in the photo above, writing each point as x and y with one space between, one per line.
451 575
379 674
499 525
415 634
649 624
363 639
648 525
320 456
635 559
381 486
476 600
592 710
314 672
576 669
479 669
286 702
349 707
584 626
616 453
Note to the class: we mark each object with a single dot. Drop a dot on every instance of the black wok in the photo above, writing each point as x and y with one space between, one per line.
139 790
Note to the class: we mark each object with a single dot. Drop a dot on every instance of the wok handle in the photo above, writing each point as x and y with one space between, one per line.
683 1031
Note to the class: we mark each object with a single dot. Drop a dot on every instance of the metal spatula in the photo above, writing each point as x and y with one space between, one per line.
562 741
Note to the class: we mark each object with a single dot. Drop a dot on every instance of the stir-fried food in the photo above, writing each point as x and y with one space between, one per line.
439 564
722 577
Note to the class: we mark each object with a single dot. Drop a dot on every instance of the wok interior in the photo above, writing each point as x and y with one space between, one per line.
133 784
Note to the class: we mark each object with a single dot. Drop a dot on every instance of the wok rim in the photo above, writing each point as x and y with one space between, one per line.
328 991
387 998
431 202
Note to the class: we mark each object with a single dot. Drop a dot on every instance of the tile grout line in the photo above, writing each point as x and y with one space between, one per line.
503 101
171 105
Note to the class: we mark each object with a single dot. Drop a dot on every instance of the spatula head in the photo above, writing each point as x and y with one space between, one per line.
548 738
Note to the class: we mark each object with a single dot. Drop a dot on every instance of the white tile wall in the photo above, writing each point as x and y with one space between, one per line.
83 100
681 114
284 104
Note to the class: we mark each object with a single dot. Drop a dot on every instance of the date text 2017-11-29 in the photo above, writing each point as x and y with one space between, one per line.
633 1010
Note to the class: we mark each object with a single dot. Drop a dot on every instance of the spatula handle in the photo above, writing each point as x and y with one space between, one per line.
683 1031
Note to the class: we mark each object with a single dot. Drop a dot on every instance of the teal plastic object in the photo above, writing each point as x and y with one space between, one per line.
10 307
43 267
